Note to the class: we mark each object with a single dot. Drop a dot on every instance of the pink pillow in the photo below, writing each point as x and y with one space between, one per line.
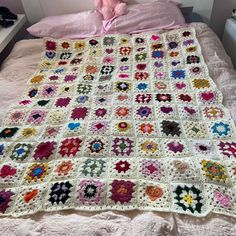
162 14
71 26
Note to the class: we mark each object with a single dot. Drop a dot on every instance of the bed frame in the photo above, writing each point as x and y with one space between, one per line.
37 9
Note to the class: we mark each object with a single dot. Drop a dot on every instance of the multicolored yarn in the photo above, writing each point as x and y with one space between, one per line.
119 123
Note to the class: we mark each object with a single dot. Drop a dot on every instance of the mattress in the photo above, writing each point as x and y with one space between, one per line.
17 69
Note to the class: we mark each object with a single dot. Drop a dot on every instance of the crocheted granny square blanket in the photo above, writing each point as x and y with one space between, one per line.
119 123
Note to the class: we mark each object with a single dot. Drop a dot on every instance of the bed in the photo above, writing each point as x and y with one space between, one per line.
16 71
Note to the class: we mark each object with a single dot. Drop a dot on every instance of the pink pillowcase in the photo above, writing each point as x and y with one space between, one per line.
71 26
162 14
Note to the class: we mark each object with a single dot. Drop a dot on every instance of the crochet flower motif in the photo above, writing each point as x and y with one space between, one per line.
228 148
143 98
63 102
144 112
166 109
224 200
201 83
43 103
158 54
96 146
7 171
146 128
37 172
50 45
190 112
64 56
185 98
93 168
122 146
122 112
108 60
170 128
5 199
188 198
123 86
8 132
44 150
174 53
173 45
28 133
93 42
203 148
50 54
17 117
208 96
141 75
141 57
214 171
79 113
32 93
162 97
149 147
160 85
29 196
71 127
192 59
123 126
60 193
99 127
49 90
21 151
157 46
122 97
178 74
213 112
65 45
142 87
122 166
70 147
90 69
175 147
84 88
37 117
70 78
90 192
80 45
180 85
196 70
64 168
122 191
152 169
100 112
108 41
188 42
186 33
154 192
139 40
82 99
51 131
220 129
107 70
76 61
125 51
88 77
181 166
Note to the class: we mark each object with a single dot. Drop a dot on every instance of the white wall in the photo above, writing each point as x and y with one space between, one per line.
14 5
221 11
204 8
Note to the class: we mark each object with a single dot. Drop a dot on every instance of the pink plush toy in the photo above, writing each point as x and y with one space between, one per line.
111 8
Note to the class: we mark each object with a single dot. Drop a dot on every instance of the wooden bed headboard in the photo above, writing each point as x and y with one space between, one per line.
37 9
